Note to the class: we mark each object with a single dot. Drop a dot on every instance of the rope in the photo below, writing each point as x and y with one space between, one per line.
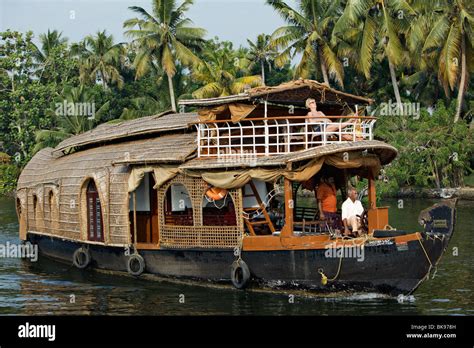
238 249
213 201
324 278
426 254
365 238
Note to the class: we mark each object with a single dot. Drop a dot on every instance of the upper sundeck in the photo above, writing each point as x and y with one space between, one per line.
278 135
268 121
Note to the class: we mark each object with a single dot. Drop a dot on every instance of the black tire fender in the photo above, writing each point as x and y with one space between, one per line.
136 265
81 258
240 274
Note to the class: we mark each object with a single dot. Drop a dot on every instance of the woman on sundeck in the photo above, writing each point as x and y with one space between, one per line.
318 118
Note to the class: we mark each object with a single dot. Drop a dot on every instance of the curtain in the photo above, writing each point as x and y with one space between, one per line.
238 178
238 112
162 174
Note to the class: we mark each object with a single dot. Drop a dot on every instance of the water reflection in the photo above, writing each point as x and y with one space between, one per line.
47 287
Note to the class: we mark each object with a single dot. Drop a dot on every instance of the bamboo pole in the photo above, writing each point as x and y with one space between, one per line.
135 241
287 230
372 193
267 147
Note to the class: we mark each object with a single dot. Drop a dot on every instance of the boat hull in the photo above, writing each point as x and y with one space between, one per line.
389 264
385 268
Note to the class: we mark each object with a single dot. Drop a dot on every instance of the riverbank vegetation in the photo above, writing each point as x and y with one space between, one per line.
413 57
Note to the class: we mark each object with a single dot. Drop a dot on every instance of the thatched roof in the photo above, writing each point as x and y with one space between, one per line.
294 92
142 126
47 167
385 152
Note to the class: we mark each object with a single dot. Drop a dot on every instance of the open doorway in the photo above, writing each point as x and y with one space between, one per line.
263 208
146 204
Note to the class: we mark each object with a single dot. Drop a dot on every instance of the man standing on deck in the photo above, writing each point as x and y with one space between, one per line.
350 209
327 201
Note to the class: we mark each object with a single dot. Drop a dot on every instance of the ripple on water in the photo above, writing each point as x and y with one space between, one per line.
364 297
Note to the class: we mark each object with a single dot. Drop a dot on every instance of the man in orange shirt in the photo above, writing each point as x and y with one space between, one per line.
327 201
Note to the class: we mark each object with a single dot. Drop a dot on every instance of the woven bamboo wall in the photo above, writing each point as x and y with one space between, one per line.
198 236
119 232
66 177
64 213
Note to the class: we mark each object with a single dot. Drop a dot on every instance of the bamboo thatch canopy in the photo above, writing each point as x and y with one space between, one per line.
142 126
294 92
48 167
386 153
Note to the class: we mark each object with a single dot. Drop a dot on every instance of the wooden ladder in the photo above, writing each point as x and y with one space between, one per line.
266 221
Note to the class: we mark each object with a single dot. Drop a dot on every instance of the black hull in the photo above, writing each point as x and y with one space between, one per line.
385 268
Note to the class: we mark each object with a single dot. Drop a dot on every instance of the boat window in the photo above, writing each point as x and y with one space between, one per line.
218 212
178 207
18 206
50 203
94 214
35 206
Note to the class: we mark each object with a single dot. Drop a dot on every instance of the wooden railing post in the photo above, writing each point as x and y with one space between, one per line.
199 130
287 230
372 193
267 138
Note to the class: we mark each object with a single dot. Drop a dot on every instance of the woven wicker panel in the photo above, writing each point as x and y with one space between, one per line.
199 236
119 227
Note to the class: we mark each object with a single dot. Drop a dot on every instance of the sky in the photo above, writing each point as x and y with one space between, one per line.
232 20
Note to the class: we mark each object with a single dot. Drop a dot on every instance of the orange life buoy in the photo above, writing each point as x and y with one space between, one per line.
216 193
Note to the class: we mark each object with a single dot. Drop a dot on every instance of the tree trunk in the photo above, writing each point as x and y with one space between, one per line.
104 84
262 64
170 85
395 85
462 83
437 176
323 68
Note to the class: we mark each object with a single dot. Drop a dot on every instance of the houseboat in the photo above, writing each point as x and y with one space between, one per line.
223 194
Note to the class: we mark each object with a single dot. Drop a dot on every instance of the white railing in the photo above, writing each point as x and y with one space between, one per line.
278 135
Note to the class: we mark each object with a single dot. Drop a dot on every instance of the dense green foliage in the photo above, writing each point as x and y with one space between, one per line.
414 52
433 150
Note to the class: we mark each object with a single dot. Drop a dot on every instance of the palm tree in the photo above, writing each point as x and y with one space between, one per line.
141 107
421 68
451 40
223 72
69 124
49 42
100 59
308 33
164 37
261 53
370 29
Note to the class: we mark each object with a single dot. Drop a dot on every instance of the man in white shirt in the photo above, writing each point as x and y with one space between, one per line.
350 209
